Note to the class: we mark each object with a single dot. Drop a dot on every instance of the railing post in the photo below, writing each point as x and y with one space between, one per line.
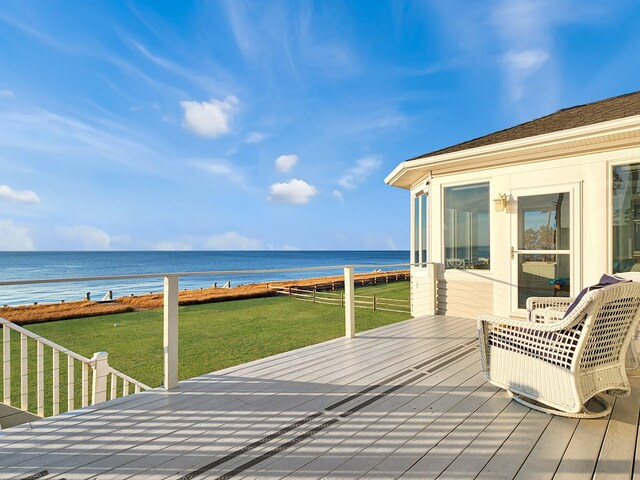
349 304
170 332
100 365
374 302
6 365
24 373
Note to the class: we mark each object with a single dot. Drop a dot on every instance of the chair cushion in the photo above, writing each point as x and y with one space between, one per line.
605 281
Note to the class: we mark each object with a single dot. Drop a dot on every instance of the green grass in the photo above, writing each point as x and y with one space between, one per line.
212 336
396 290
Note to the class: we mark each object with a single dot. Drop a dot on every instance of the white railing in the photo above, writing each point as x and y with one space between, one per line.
170 321
99 381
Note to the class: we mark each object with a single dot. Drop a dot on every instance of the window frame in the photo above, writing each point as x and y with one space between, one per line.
420 231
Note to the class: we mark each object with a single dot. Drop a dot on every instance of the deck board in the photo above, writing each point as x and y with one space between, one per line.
403 401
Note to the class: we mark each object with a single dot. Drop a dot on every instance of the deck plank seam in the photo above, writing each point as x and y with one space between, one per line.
462 424
506 439
199 402
158 400
304 435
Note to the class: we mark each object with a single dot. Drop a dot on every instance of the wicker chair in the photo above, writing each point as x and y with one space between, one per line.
555 364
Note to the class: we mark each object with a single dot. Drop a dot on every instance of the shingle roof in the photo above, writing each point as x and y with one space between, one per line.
579 116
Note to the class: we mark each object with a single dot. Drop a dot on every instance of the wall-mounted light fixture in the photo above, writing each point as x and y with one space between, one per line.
500 203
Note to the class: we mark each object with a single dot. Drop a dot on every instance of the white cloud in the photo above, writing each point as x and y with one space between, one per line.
285 163
18 196
232 241
337 194
360 173
70 140
526 60
209 119
255 137
221 168
14 237
6 93
84 237
294 191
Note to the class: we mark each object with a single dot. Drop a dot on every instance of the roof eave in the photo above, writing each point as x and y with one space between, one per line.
406 173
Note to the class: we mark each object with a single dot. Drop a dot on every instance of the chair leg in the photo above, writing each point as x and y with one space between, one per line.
585 413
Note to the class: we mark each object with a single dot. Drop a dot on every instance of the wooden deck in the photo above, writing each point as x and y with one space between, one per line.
403 401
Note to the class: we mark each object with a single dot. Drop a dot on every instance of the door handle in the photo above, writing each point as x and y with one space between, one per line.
513 253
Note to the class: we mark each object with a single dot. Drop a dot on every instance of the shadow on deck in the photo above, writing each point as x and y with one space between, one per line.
402 401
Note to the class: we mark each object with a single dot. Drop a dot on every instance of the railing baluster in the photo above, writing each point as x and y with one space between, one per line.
6 364
114 386
71 385
24 373
56 382
85 384
96 393
40 377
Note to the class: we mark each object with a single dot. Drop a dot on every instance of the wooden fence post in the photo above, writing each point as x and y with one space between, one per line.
374 302
170 332
349 303
100 364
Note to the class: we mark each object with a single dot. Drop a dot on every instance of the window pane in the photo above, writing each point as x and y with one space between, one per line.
423 229
466 226
416 230
543 276
626 218
544 222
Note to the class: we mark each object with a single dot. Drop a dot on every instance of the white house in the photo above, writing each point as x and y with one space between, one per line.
540 209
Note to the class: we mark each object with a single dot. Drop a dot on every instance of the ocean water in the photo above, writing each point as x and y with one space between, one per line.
41 265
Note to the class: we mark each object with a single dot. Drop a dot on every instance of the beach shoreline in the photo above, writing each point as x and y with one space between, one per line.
47 312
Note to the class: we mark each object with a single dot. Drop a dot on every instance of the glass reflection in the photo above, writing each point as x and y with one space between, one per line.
544 222
626 218
466 226
543 275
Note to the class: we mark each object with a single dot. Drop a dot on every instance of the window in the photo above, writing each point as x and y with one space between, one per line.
626 218
420 229
466 226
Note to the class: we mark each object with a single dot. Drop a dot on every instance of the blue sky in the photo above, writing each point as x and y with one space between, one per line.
260 125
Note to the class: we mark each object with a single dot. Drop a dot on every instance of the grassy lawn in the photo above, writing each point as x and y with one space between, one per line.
396 290
212 336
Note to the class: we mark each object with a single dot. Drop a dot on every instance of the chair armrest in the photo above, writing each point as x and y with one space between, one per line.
544 302
489 322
